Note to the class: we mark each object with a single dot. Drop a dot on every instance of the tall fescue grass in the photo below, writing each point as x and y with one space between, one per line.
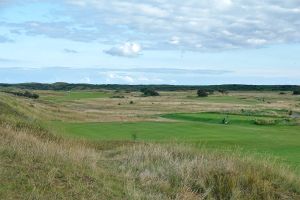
172 172
37 164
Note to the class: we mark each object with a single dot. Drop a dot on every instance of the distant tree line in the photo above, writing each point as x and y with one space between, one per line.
24 94
230 87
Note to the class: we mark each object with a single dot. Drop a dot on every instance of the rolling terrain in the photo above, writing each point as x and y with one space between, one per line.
100 144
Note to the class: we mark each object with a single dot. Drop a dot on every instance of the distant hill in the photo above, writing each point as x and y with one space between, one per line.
70 86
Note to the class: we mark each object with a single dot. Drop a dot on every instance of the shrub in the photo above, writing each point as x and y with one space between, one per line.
296 92
24 94
149 92
202 93
118 97
264 122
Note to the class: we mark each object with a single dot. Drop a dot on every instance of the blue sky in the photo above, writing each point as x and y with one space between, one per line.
150 42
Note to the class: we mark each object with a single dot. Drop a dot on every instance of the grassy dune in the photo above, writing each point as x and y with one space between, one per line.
38 163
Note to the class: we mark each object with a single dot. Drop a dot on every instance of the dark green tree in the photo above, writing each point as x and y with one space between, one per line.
149 92
202 93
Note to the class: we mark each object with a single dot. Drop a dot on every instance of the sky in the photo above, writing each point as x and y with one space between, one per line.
191 42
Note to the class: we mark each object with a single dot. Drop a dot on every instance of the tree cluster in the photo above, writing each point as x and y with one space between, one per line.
202 93
149 92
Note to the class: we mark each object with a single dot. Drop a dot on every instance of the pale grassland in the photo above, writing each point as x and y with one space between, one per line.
107 109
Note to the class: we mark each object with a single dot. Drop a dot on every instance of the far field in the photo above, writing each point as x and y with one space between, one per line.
181 117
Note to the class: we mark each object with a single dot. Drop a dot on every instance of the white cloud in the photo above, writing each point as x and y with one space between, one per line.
128 49
114 77
256 41
223 4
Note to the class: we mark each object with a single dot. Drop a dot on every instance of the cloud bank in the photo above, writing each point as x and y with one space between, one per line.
207 25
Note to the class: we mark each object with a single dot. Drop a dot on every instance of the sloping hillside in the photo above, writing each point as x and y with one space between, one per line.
35 163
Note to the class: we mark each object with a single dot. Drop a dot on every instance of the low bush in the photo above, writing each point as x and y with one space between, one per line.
24 94
265 122
118 97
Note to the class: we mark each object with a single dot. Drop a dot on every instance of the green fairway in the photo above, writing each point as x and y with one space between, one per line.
74 95
280 141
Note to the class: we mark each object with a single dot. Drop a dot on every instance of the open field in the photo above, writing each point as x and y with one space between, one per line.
120 145
178 116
